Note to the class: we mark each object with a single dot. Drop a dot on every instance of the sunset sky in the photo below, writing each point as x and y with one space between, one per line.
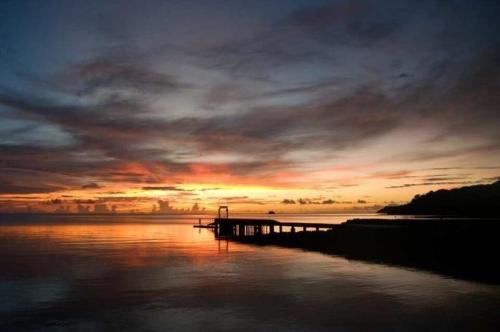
291 106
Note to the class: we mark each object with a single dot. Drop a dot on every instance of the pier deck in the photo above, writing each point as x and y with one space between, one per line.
244 226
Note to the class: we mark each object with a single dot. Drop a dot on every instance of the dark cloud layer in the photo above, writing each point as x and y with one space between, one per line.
325 79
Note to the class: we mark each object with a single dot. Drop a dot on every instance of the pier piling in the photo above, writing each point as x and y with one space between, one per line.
240 227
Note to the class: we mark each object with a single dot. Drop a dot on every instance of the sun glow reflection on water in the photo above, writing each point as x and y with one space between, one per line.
142 274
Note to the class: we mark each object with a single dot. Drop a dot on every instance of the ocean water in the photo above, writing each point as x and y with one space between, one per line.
157 273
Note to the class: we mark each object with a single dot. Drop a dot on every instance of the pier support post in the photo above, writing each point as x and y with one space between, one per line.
293 229
281 229
271 229
317 229
304 229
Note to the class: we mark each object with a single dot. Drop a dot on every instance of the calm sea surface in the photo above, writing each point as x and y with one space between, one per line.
140 273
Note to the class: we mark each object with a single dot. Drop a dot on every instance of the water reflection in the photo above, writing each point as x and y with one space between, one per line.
151 276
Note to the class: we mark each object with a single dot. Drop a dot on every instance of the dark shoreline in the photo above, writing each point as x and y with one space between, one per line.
461 248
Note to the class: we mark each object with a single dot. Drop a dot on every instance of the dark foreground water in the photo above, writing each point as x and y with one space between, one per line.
160 274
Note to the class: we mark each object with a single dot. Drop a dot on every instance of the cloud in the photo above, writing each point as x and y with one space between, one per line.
84 201
91 185
287 201
445 183
356 23
209 189
11 188
361 115
118 74
243 200
238 107
328 201
115 123
302 201
164 188
306 201
315 201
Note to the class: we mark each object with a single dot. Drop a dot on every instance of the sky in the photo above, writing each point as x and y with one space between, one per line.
291 106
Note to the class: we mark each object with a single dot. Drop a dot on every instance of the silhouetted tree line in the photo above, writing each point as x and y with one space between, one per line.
478 200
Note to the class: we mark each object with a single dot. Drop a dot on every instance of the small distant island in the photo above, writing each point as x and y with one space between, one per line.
477 201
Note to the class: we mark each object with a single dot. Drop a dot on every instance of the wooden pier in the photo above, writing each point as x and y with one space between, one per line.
240 227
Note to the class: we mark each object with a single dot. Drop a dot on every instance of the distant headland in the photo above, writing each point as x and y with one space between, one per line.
459 239
477 201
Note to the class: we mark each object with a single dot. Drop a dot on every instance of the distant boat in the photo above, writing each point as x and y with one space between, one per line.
271 212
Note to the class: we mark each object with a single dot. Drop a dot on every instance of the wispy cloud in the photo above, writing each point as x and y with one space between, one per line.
163 188
91 185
